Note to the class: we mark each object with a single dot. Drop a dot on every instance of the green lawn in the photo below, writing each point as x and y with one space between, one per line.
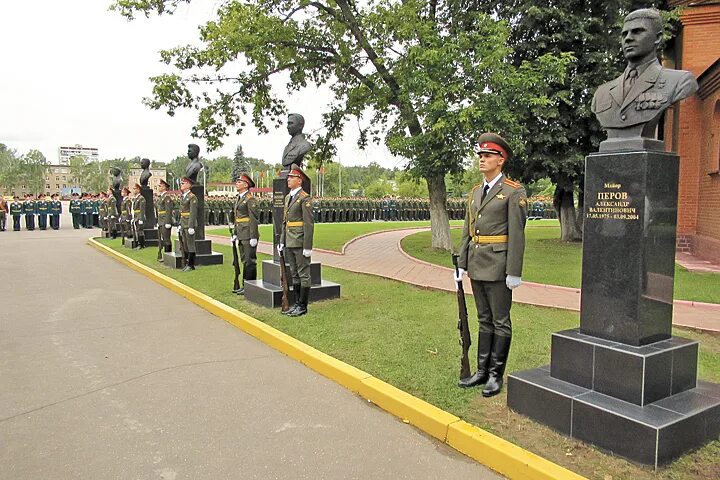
411 342
550 261
332 236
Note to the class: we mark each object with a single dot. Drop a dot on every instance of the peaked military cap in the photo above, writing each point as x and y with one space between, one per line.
296 171
493 143
187 180
244 177
167 185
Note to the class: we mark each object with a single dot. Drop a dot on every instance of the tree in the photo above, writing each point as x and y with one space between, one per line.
239 163
556 144
220 169
10 169
33 167
424 76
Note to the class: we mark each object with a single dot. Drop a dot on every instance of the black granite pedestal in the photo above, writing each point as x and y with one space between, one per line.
204 255
268 292
147 194
621 381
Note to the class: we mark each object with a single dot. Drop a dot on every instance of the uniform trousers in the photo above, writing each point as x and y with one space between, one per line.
493 301
299 266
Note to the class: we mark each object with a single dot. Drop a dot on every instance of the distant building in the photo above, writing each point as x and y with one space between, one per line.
157 175
58 179
66 153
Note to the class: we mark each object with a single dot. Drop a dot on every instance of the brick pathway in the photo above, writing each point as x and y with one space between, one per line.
380 254
696 264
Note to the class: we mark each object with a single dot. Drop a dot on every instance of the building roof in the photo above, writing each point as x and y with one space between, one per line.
709 80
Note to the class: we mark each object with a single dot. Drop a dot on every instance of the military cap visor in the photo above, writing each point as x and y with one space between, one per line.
163 182
187 180
245 178
296 172
494 143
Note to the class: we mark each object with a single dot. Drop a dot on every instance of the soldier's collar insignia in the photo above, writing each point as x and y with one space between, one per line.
500 196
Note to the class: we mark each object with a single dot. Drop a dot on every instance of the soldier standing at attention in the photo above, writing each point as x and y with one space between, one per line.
88 210
42 208
102 212
29 209
3 213
297 236
125 213
246 228
16 210
138 217
111 213
164 206
55 211
491 251
188 222
75 210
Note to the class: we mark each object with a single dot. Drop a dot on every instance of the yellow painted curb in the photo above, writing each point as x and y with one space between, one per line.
502 456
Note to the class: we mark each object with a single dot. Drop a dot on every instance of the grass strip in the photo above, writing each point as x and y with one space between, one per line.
406 336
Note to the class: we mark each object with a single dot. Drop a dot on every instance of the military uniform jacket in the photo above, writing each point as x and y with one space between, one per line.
246 222
138 208
56 207
164 209
493 239
16 208
188 210
75 206
298 226
103 209
29 207
87 206
111 207
42 207
126 208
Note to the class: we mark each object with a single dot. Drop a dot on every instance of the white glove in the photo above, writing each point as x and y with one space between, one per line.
233 238
140 222
105 218
191 231
512 282
168 226
307 252
112 216
459 275
280 247
253 242
179 228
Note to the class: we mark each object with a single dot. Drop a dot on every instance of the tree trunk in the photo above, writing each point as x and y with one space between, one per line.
439 221
565 207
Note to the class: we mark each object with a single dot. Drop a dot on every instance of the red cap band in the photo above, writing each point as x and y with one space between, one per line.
494 146
296 173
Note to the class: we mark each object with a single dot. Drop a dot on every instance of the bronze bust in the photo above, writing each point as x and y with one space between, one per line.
298 146
630 107
146 174
194 166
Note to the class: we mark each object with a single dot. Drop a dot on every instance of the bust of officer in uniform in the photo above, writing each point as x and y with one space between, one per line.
194 166
630 107
146 174
298 146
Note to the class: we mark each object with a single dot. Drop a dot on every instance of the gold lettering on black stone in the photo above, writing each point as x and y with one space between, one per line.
612 205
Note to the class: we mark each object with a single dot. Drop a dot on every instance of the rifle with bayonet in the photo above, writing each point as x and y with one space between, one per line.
183 250
463 327
236 261
285 305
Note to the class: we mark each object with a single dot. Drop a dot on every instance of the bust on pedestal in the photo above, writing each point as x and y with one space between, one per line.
622 381
204 255
268 291
151 233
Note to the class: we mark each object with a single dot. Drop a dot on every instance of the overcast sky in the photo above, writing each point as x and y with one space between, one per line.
72 72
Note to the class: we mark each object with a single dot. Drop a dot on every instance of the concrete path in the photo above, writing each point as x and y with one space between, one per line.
107 375
380 254
696 264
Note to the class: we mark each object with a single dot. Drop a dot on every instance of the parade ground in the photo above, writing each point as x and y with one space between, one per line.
110 375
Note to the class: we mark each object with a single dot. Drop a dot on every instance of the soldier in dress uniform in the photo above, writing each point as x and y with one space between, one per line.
16 210
297 235
42 208
87 209
102 212
29 209
75 210
55 211
111 213
188 223
246 228
125 213
491 251
164 205
3 213
138 217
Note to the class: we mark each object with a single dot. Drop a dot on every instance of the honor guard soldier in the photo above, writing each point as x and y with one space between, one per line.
102 212
111 213
3 213
125 214
245 212
75 210
55 211
16 211
138 217
491 251
29 209
297 235
87 211
164 207
42 208
188 223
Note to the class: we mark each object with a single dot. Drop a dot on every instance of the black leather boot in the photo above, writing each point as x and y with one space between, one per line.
484 346
498 361
293 307
190 262
168 248
302 308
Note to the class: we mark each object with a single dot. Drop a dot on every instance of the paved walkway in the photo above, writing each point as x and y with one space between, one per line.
107 375
380 254
696 264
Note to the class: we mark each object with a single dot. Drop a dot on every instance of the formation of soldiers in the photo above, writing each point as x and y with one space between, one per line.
218 209
42 212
